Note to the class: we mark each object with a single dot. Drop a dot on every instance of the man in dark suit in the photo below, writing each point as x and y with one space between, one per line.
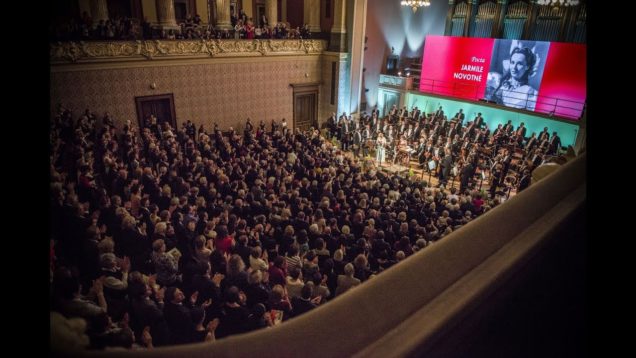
537 158
416 114
521 132
446 165
465 175
375 111
439 113
345 133
393 111
555 144
357 142
468 131
479 121
331 125
403 112
460 115
508 128
531 143
524 182
544 134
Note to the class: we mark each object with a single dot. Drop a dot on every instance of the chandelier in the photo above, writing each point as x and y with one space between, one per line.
557 3
414 4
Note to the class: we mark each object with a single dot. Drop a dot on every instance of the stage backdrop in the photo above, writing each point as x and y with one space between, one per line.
545 77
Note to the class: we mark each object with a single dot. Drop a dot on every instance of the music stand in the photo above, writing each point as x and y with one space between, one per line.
431 167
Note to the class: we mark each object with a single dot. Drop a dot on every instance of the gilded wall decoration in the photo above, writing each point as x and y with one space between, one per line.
84 52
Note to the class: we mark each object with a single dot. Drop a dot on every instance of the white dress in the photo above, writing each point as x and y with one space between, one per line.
379 155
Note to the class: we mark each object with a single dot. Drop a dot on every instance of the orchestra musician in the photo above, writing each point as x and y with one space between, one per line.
524 182
417 131
468 131
446 165
498 131
403 112
375 112
420 152
374 120
531 143
439 113
544 134
460 115
345 133
393 112
495 178
399 148
410 132
367 136
466 173
332 125
390 136
537 158
521 133
478 121
555 144
357 142
416 114
342 117
508 128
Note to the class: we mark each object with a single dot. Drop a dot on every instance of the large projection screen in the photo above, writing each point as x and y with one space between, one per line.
537 76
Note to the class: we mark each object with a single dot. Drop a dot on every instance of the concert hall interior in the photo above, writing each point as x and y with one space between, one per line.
383 178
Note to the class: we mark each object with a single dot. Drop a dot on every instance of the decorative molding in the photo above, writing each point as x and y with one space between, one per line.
83 52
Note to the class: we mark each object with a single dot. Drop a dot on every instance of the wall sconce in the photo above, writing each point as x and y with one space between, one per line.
153 85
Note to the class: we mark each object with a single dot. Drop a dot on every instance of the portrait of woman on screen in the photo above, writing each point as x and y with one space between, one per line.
511 88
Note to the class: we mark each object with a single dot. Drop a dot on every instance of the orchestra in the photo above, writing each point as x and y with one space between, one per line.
444 148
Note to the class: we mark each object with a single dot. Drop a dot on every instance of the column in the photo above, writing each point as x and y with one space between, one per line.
338 38
99 11
449 18
571 24
566 22
283 10
201 7
165 16
357 53
165 13
223 15
528 29
500 14
149 9
271 12
473 6
312 15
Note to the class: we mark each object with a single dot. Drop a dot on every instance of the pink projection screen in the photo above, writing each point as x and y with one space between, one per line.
544 77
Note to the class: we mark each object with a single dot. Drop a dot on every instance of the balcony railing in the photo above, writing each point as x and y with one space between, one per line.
552 106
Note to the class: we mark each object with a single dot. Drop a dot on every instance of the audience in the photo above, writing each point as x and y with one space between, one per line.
188 230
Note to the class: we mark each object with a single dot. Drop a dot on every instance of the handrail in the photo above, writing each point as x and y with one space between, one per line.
411 303
556 106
